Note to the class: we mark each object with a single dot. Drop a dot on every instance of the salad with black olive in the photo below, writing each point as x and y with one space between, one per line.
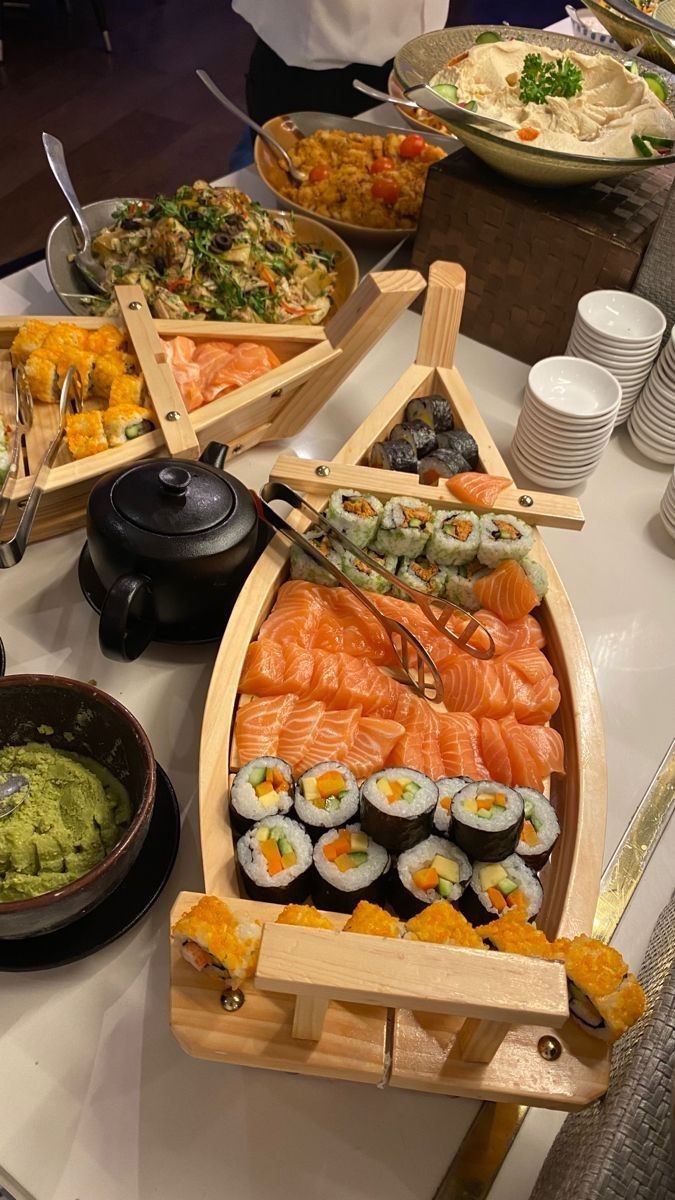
213 253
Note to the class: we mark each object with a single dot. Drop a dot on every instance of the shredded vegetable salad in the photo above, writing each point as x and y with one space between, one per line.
211 252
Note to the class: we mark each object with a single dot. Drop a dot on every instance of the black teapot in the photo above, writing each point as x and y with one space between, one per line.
170 542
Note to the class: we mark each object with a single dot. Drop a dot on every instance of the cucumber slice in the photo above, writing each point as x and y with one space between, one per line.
631 67
536 823
471 106
506 886
445 888
658 143
447 91
641 147
656 85
277 834
358 858
285 846
256 776
487 36
331 803
527 809
485 814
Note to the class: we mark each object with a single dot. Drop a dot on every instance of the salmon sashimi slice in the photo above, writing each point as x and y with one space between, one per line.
495 752
274 670
476 488
258 725
529 685
419 747
248 361
179 352
459 745
361 683
511 635
525 772
298 729
542 703
330 740
506 591
473 685
296 614
373 743
325 679
329 634
546 747
528 664
363 635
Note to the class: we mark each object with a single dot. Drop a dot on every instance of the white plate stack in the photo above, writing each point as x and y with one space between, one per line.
621 332
652 421
569 410
668 506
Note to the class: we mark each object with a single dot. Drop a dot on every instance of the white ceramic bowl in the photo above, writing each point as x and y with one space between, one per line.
621 316
579 337
655 453
567 423
574 386
564 465
551 482
563 440
557 452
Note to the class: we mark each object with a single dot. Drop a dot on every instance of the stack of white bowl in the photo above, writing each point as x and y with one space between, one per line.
668 506
621 332
569 410
652 421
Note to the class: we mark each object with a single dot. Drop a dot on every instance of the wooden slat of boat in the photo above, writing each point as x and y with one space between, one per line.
442 315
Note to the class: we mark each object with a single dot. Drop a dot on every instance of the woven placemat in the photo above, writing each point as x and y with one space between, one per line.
622 1147
656 276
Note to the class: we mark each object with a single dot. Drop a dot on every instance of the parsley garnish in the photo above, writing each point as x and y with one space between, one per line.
539 80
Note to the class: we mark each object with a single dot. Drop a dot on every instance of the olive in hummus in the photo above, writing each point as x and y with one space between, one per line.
74 813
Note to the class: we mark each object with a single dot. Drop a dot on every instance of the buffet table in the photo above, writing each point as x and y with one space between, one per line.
97 1100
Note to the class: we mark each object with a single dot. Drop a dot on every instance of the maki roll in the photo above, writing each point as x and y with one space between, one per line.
85 434
503 537
394 456
126 389
432 870
433 410
397 807
42 376
540 831
261 788
303 566
459 583
274 861
405 527
462 442
349 867
536 575
364 576
605 997
495 888
448 787
487 818
125 422
455 537
370 919
442 464
512 934
326 796
418 434
443 924
30 337
304 915
211 939
355 515
422 575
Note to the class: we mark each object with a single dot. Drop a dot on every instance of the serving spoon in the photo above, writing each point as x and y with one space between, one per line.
431 102
90 270
13 792
296 175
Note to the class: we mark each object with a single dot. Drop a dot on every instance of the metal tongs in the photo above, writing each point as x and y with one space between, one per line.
413 658
12 551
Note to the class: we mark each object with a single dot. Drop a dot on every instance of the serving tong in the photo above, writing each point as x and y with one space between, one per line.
413 658
12 551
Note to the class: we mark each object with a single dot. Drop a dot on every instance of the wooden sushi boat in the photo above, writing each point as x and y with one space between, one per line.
403 1013
314 362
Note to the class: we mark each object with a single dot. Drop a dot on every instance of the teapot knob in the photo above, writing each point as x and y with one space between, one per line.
175 480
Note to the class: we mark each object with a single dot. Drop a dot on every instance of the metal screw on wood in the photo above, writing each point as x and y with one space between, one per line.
232 999
526 501
323 471
135 304
549 1048
275 394
173 415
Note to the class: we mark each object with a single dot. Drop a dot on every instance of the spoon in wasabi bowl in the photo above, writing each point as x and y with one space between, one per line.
13 792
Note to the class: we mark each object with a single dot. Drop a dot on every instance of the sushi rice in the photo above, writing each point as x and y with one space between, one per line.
536 575
303 566
459 583
427 861
253 863
211 939
503 537
455 537
541 828
261 788
487 818
448 787
405 527
355 515
364 576
495 888
353 870
422 575
326 796
397 806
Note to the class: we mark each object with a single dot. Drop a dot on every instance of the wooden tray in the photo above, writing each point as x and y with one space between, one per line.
314 362
440 1036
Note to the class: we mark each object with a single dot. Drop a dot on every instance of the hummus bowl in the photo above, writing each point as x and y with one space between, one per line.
426 56
67 717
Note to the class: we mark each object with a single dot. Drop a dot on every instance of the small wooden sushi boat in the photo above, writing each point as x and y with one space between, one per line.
390 1012
314 361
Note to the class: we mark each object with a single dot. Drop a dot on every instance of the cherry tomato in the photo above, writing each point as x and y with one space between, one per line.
381 164
411 146
318 174
386 190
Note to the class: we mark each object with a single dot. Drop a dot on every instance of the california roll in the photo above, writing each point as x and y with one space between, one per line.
405 527
455 537
503 537
355 515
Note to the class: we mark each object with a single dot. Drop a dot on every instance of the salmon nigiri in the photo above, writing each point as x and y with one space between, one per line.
474 487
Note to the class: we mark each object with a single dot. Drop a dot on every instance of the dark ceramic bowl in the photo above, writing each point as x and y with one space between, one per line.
105 731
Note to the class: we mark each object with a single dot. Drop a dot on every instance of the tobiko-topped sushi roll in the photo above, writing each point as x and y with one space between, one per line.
370 919
327 795
349 867
213 940
261 788
494 888
397 806
405 527
448 787
455 537
365 576
503 537
541 829
304 915
355 515
441 923
487 818
125 422
605 997
434 869
274 861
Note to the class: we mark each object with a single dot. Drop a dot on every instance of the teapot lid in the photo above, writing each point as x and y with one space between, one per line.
173 499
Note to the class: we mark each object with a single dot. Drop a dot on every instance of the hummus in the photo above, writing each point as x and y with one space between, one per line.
74 814
600 120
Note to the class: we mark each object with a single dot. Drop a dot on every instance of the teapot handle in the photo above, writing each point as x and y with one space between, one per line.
215 455
127 622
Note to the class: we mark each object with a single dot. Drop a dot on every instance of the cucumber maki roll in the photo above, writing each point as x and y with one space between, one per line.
261 788
462 442
422 575
433 410
540 831
503 537
459 583
404 528
495 888
432 870
355 515
442 464
448 787
397 807
418 434
349 867
487 818
274 861
455 537
303 566
326 796
394 456
536 575
364 576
